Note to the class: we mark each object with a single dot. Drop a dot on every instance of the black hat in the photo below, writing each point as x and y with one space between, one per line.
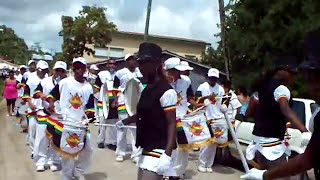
149 51
312 52
287 63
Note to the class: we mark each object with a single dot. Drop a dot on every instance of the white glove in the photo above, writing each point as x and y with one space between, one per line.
254 174
163 164
306 136
119 125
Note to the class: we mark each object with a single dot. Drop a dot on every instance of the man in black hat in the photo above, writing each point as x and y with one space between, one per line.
272 113
311 157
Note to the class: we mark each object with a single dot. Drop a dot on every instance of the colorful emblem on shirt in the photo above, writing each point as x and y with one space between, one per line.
196 129
73 140
75 101
218 132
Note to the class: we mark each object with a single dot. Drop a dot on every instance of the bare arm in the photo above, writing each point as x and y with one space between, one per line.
290 115
131 119
171 121
296 165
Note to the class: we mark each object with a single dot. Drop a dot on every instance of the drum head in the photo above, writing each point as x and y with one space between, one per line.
105 100
132 95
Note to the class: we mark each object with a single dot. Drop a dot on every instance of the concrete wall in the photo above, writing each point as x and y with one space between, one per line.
130 44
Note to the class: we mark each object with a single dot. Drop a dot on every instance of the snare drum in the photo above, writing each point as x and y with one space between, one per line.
220 131
193 131
67 137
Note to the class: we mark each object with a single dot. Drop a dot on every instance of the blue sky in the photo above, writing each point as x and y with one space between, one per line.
40 20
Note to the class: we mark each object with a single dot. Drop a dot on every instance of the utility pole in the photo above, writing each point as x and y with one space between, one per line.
223 39
146 31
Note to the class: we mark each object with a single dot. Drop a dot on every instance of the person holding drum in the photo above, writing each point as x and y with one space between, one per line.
42 154
207 93
182 85
31 85
123 76
155 117
107 77
76 101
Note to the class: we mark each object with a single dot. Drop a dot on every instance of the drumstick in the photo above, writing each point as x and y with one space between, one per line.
112 125
224 110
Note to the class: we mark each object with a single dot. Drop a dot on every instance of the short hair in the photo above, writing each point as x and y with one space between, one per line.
11 71
243 90
226 84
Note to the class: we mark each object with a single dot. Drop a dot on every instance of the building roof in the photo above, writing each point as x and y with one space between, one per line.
165 55
163 38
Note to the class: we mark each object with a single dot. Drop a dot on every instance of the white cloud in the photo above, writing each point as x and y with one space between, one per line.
40 21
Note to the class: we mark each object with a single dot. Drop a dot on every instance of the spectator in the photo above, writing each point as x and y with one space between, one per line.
10 92
244 99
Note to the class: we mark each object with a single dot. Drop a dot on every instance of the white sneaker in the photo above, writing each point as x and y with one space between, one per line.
53 168
202 169
119 158
209 170
40 168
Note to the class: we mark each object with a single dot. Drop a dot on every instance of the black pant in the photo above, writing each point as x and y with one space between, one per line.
11 101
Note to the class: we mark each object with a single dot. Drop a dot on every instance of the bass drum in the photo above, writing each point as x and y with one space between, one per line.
132 94
104 95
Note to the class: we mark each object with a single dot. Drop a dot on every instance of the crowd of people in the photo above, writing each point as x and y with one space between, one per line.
59 109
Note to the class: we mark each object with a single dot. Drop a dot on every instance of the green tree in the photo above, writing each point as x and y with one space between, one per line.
12 46
259 31
90 27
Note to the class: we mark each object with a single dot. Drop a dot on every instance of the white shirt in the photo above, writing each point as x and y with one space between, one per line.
181 86
213 109
33 82
73 98
125 75
20 90
107 77
234 105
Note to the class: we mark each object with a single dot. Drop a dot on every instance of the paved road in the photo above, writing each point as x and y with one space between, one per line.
15 162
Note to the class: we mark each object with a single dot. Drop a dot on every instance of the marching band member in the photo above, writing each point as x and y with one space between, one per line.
107 77
42 154
155 117
271 115
206 94
31 69
123 76
187 70
76 101
31 85
92 74
310 158
20 86
182 85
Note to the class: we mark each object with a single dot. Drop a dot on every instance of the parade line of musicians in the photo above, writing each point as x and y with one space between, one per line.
59 106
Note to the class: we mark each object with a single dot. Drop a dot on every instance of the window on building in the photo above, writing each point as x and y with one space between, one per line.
101 52
116 52
192 57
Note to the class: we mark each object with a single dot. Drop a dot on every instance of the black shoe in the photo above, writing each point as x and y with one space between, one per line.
101 145
112 147
174 178
31 156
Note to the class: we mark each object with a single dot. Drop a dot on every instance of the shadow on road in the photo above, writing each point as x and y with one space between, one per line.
96 176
